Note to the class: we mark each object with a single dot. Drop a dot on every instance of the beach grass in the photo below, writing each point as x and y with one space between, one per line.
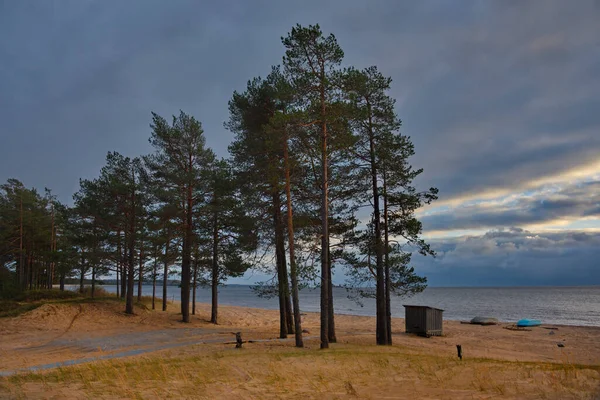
499 364
31 299
271 370
9 308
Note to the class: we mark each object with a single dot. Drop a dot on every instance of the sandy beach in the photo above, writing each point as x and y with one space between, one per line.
498 362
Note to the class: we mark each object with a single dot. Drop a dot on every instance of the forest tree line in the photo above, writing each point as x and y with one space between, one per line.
318 176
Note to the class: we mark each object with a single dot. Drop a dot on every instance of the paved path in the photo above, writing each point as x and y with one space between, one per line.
122 345
118 346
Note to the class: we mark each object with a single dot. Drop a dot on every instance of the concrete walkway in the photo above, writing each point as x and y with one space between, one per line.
122 345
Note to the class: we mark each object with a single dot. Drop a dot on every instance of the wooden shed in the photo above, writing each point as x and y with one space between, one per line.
423 320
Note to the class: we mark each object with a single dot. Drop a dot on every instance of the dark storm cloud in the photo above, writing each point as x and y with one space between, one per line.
515 257
492 93
514 100
571 202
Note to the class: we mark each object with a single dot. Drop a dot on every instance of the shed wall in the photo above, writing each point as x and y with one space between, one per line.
434 322
424 321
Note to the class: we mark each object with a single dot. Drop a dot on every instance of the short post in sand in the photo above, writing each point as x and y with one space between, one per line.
238 340
459 349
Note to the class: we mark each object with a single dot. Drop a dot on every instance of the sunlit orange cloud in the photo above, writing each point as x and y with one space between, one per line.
500 199
499 195
583 224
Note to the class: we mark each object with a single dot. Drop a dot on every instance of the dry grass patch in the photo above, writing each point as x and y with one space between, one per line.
280 371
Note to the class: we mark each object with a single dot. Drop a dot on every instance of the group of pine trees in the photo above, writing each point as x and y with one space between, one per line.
318 177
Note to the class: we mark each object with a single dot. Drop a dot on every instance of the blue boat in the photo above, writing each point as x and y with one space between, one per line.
529 322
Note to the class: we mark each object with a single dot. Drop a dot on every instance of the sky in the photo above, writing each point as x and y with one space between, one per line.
501 99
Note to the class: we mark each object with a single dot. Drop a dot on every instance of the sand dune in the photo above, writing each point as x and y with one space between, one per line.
55 333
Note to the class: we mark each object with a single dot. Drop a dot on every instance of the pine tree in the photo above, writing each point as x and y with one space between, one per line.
311 61
26 238
226 230
257 157
384 155
90 221
177 166
118 207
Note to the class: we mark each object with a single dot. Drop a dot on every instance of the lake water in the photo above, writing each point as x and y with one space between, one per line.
551 305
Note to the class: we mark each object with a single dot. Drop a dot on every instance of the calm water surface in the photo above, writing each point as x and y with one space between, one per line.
552 305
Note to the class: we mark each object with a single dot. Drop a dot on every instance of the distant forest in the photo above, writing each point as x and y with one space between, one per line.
318 177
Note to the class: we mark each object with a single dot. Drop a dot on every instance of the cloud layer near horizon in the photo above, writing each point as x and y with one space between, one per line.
551 204
514 256
500 98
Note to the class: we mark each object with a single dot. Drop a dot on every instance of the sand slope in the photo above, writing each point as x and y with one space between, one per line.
56 333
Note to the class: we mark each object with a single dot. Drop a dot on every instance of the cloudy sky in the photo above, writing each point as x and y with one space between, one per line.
501 98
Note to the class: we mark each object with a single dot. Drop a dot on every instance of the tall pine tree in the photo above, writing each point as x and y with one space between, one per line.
178 164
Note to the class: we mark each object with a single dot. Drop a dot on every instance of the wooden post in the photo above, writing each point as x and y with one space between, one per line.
459 349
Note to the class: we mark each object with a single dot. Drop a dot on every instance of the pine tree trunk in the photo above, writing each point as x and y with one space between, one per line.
282 308
131 260
165 274
154 278
124 276
124 264
30 269
118 262
279 260
388 282
285 283
62 282
93 281
330 314
293 272
32 276
186 257
194 285
381 331
130 278
141 270
289 315
215 270
29 272
82 274
32 282
50 276
324 225
94 260
50 269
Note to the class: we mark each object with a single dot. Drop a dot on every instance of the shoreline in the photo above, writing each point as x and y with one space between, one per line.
448 316
316 313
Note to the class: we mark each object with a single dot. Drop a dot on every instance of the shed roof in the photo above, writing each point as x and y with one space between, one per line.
433 308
